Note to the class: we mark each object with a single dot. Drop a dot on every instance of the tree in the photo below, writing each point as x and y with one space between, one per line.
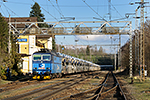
36 12
13 59
3 43
88 50
53 44
100 50
3 35
147 45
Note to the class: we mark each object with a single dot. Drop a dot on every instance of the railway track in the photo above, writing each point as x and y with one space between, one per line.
109 89
47 91
23 82
17 84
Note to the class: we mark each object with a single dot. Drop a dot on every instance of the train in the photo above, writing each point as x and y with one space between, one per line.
47 64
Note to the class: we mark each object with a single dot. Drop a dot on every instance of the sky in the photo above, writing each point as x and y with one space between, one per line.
82 10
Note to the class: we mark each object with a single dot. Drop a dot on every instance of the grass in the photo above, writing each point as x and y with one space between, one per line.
137 89
4 82
23 90
94 80
90 84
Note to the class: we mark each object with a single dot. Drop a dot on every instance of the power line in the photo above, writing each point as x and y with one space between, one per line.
50 14
2 9
56 9
6 9
47 12
19 3
79 39
115 9
9 9
59 8
24 3
93 10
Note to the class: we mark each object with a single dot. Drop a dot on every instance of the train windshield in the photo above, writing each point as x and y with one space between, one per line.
36 57
47 57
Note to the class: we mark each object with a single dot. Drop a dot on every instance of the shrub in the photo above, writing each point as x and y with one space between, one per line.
3 72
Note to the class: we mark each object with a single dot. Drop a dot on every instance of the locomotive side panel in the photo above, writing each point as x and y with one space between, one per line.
56 64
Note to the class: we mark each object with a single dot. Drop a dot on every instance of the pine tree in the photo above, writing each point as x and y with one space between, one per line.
36 12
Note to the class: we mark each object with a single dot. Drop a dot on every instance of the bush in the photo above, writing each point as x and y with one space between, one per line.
3 72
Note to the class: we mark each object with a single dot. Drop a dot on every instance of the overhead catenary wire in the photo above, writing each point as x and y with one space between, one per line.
59 8
115 9
24 3
6 10
2 9
48 12
94 10
10 10
60 14
54 16
56 8
79 39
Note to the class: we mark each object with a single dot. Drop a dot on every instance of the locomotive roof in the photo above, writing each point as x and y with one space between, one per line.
42 51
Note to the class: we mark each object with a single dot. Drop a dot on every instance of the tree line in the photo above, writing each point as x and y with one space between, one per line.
125 52
93 54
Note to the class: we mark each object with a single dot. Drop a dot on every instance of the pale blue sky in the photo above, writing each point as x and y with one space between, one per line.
77 9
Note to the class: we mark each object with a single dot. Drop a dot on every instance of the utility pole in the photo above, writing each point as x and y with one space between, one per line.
142 39
137 60
119 52
115 58
130 51
76 46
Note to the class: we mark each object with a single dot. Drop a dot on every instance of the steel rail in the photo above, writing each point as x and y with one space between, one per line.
106 92
120 89
36 91
13 84
87 91
117 85
47 95
98 95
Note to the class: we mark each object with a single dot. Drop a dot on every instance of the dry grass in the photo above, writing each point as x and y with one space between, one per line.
4 82
139 90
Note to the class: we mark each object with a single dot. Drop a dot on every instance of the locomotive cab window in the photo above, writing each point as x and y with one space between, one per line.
47 57
36 57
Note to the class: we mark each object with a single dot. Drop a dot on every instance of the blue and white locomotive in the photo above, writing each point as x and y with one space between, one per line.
47 64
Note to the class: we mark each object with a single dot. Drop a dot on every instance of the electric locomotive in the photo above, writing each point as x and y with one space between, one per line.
46 65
